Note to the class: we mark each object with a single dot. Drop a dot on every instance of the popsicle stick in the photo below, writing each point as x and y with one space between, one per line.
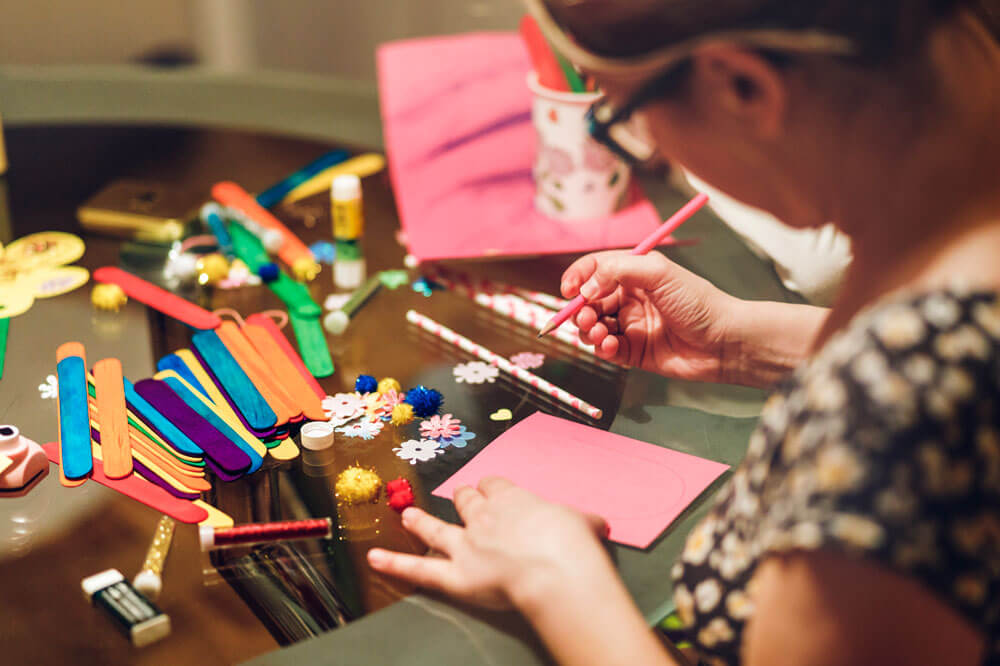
260 434
362 165
285 450
258 372
4 329
277 192
158 299
543 59
161 425
141 491
279 338
285 371
249 444
312 343
216 518
154 473
234 381
294 295
175 363
74 425
115 445
218 450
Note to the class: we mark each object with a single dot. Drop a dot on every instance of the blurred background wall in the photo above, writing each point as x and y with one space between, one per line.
334 37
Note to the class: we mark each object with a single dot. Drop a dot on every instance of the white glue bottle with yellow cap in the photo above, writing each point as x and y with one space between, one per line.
348 227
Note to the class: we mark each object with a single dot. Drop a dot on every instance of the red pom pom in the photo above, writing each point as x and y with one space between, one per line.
396 485
401 499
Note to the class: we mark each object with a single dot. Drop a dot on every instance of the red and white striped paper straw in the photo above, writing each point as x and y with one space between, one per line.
470 286
484 354
507 306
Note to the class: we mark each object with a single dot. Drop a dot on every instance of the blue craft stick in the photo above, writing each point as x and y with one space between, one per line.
158 422
277 192
234 381
74 419
211 214
197 405
175 363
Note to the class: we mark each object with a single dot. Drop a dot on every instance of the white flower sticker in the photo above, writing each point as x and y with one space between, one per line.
364 429
475 372
49 390
343 407
418 450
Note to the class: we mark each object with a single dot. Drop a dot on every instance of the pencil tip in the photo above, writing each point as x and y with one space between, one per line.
545 330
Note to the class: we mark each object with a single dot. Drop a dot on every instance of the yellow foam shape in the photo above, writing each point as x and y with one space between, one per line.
363 165
216 518
227 415
287 450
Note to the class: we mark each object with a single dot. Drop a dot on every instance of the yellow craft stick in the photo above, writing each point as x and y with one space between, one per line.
216 518
287 450
225 413
361 166
157 470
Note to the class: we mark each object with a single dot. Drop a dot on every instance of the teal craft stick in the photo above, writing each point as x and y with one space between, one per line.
174 362
234 381
197 405
4 327
277 192
159 423
312 345
74 418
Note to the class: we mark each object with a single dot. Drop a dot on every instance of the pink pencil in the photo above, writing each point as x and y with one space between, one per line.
651 241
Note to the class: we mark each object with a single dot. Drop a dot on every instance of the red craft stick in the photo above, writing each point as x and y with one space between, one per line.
158 299
550 74
140 490
267 323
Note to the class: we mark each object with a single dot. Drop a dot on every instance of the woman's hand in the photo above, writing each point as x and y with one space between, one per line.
647 312
514 550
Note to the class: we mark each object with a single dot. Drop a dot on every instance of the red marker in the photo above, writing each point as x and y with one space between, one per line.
651 241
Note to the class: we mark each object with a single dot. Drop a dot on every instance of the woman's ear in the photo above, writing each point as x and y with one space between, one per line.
740 87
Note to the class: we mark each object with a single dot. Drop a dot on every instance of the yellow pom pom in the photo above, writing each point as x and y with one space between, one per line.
357 484
108 297
388 384
305 269
212 268
402 414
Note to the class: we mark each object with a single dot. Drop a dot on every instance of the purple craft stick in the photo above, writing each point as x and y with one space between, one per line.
259 434
218 449
149 474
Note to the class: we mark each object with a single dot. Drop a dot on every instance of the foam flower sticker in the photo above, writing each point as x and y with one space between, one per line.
528 360
343 407
418 450
49 389
376 407
440 427
475 372
364 429
391 398
459 441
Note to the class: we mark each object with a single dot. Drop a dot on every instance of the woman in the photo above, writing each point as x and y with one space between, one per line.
863 527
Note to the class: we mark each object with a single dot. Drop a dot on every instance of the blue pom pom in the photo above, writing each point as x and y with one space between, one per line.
425 401
366 384
268 272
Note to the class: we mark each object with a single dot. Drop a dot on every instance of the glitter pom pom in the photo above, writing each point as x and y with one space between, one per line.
402 414
388 384
425 401
357 484
365 384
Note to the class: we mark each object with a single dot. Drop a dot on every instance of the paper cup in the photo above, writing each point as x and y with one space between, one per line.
576 178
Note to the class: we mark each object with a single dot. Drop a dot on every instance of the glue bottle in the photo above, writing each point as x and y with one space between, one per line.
348 227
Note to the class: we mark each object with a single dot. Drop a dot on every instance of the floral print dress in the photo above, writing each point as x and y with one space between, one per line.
885 446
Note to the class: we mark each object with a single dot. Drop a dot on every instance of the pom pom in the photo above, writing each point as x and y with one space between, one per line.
401 499
272 240
425 401
305 269
212 268
388 384
402 414
365 384
396 485
108 297
268 272
356 485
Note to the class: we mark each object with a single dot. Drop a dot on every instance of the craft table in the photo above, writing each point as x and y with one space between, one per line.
69 132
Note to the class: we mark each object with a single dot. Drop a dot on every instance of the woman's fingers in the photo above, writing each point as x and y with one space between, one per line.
598 524
434 532
468 502
491 485
431 572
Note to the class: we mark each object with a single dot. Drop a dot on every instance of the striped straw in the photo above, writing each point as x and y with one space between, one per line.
508 307
485 354
462 281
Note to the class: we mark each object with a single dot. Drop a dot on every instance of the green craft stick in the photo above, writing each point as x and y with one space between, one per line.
250 250
312 344
572 77
4 327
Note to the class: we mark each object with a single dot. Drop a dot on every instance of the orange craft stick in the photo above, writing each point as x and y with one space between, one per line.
116 447
258 372
285 371
279 338
293 251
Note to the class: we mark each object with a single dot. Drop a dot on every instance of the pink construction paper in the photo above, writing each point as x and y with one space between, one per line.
639 488
458 134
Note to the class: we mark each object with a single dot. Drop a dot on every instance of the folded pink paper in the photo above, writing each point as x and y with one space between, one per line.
456 113
639 488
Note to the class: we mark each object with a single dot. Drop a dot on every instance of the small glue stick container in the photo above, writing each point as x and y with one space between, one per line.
348 227
135 615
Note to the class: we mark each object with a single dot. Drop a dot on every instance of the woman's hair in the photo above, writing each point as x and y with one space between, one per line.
881 30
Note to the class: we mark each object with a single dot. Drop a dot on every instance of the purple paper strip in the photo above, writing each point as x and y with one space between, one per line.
150 475
260 434
218 449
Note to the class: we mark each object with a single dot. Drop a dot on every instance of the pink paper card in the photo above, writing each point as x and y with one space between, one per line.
458 133
638 488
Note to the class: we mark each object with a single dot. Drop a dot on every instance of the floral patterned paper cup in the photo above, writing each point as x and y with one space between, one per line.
576 178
